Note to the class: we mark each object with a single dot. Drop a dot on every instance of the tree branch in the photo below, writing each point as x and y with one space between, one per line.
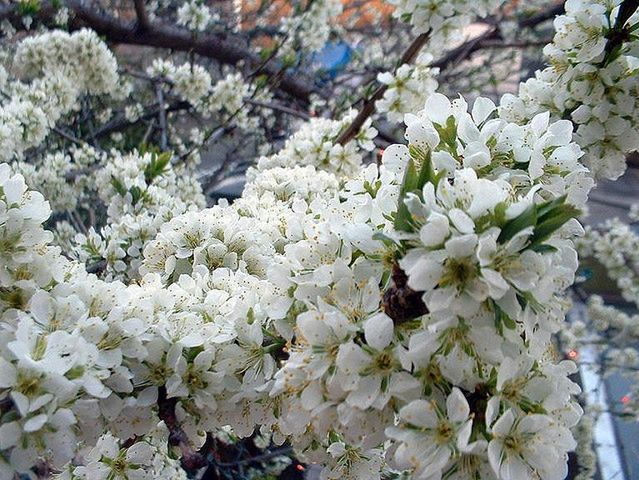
465 50
278 108
141 13
190 459
224 48
368 108
541 17
490 36
618 33
120 122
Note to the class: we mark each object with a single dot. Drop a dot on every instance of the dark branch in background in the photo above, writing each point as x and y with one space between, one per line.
618 33
97 267
164 135
499 44
120 122
143 16
492 35
282 451
464 51
541 17
279 108
190 459
368 107
223 48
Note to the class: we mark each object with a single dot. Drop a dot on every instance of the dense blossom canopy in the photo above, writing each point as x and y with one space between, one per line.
392 316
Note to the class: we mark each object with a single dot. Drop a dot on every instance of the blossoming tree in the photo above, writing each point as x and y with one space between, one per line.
391 318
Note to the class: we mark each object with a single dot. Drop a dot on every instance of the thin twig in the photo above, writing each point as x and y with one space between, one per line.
67 136
368 108
162 117
258 458
278 107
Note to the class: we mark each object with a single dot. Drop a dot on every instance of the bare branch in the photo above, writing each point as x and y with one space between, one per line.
279 108
541 17
491 37
162 117
67 136
368 108
142 15
498 44
120 122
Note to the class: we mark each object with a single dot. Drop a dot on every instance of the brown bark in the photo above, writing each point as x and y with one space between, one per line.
400 302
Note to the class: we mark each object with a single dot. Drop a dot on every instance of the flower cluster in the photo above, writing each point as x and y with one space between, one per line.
310 28
592 79
62 67
444 21
408 88
460 386
56 176
286 310
611 332
314 144
615 245
46 367
193 83
142 193
146 459
80 56
384 318
194 15
78 359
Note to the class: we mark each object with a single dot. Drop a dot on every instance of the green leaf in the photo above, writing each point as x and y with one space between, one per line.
411 179
543 248
448 133
503 319
261 81
500 213
118 186
546 207
266 52
384 385
551 222
424 162
528 218
136 194
157 166
372 189
289 60
28 7
385 239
